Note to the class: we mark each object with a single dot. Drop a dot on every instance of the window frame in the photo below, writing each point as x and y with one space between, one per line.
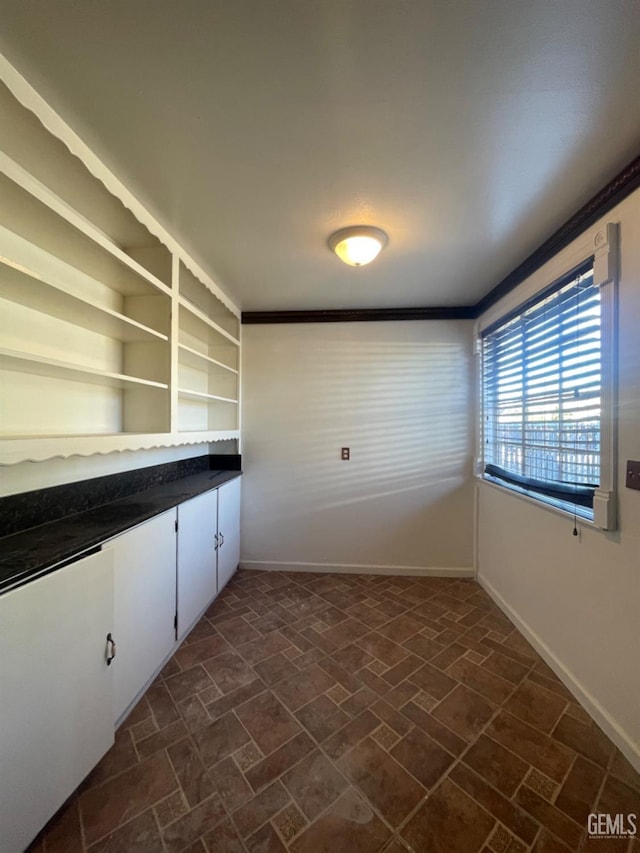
602 247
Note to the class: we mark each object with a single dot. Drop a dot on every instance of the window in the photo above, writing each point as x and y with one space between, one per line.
542 385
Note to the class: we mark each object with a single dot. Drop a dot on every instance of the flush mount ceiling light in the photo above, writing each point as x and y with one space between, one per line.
358 245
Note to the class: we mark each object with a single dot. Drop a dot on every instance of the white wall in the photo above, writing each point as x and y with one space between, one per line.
399 394
579 597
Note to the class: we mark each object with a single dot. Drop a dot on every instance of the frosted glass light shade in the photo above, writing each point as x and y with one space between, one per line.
358 245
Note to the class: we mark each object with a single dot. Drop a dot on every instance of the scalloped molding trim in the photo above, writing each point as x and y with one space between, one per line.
35 103
63 447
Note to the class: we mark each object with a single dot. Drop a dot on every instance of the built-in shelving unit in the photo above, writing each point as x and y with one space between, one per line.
208 358
112 337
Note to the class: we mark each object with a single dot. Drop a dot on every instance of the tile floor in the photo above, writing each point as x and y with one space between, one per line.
329 713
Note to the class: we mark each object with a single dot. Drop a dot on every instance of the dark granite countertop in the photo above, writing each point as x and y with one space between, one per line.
33 552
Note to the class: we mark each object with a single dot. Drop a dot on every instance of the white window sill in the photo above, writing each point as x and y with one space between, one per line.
540 504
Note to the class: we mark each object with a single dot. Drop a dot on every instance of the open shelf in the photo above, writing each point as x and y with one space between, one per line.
28 207
28 363
207 321
207 373
40 281
199 412
199 395
201 299
199 361
113 338
49 161
200 335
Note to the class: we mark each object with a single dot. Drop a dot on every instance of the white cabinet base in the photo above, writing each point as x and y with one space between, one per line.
197 573
145 605
56 712
229 527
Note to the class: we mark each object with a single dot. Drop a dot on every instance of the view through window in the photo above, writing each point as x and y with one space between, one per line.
541 381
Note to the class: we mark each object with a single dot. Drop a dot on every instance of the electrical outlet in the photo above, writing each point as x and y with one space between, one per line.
633 474
346 454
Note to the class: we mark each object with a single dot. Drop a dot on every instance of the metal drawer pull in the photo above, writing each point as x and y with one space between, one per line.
221 540
111 649
215 536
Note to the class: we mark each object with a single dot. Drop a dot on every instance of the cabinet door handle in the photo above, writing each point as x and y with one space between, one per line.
217 545
111 649
221 540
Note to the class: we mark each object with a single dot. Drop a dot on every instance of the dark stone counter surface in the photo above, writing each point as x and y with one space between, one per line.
30 553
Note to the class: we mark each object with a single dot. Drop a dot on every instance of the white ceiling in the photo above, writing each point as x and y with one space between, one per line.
468 130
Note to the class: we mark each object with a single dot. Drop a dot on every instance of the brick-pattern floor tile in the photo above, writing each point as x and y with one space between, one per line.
170 809
289 822
223 839
106 807
231 785
338 693
260 808
322 717
220 738
536 705
384 736
314 713
382 780
265 840
500 840
513 817
541 784
188 766
548 815
189 828
314 783
350 824
425 759
464 712
267 721
140 835
448 820
500 767
279 761
247 756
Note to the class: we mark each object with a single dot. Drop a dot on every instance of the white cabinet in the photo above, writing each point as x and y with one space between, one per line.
145 605
56 718
197 573
228 530
208 549
59 698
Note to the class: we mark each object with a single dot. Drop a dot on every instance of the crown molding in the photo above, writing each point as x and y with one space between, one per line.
359 315
624 183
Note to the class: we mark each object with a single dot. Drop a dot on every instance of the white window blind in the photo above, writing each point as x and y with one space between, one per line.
542 394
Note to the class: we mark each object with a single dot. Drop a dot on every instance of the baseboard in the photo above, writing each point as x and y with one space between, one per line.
620 738
356 569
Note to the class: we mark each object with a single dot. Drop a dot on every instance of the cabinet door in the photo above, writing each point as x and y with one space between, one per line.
145 605
197 579
228 530
56 718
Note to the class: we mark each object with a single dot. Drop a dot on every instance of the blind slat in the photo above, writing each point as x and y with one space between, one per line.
541 389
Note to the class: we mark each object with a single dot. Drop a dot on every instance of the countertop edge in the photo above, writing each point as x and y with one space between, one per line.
63 547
